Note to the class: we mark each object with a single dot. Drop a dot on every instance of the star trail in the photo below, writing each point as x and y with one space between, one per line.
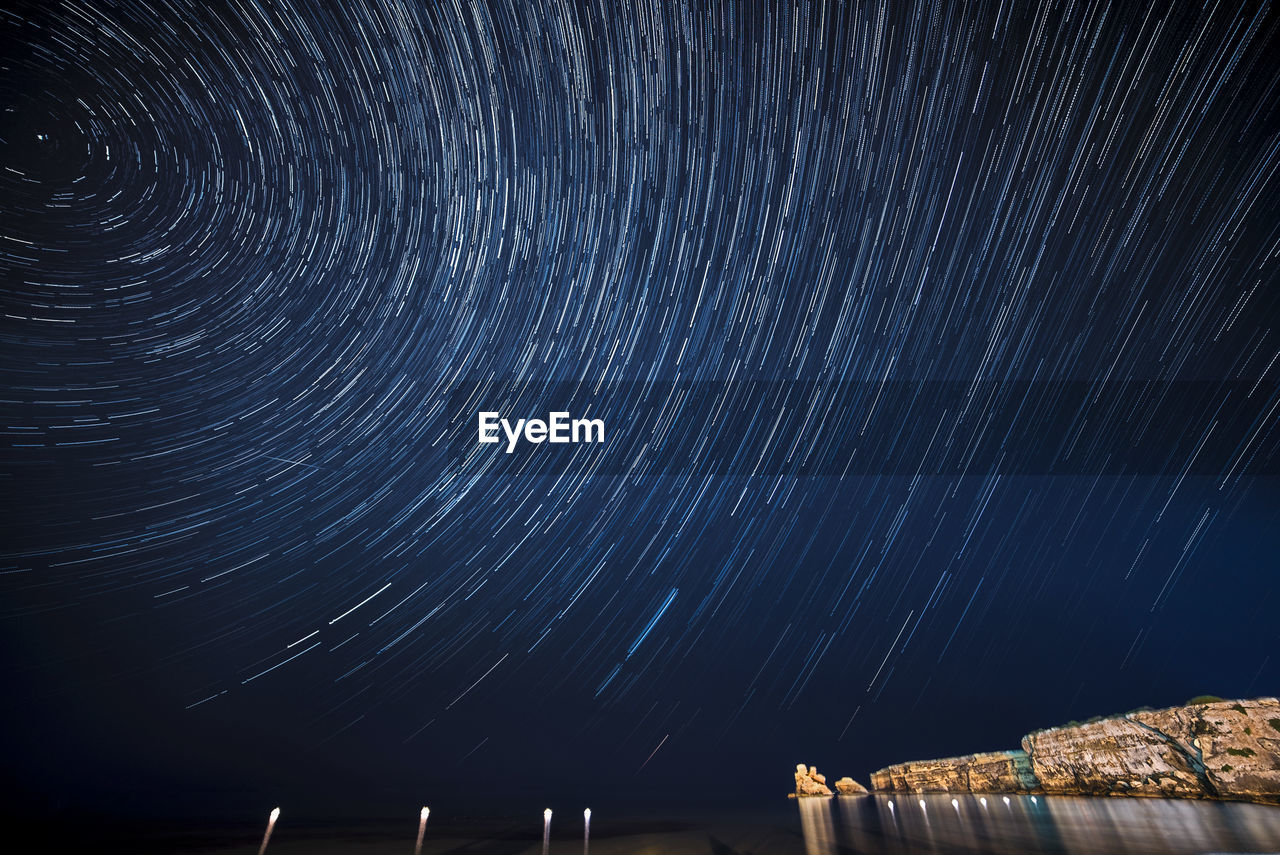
936 346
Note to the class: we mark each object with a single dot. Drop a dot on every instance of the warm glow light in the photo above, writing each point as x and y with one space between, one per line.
422 829
922 804
546 814
586 814
271 823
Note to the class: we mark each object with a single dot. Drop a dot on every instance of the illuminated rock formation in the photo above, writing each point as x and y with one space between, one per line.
993 772
809 782
1221 749
848 787
1213 749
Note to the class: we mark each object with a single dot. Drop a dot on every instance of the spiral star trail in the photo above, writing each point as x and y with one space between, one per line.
935 343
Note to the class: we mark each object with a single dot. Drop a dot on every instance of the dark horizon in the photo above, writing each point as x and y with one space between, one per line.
936 346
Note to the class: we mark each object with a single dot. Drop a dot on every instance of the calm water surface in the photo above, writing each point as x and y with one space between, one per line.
1023 824
869 825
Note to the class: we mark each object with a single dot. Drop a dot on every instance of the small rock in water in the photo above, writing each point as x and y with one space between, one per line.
846 786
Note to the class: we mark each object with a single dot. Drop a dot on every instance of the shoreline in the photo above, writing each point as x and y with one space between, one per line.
930 822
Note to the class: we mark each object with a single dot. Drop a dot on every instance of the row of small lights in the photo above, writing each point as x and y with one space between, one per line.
422 826
546 821
955 803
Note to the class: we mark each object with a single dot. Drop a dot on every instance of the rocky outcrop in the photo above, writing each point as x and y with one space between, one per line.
809 782
848 787
1219 749
992 772
948 774
1223 749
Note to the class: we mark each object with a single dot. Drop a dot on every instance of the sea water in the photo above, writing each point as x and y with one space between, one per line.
865 825
1034 824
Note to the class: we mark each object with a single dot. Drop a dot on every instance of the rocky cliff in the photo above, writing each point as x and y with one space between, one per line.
1221 749
993 772
1224 749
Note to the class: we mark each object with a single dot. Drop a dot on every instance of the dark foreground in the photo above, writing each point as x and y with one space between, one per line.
837 826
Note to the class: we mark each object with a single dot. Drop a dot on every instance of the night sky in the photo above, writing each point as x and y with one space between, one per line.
936 344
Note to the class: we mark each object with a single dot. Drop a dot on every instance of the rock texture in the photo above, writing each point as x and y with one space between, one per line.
1222 749
992 772
848 787
809 782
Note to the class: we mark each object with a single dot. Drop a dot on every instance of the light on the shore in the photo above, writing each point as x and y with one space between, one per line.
890 804
422 827
1033 800
1006 799
586 829
922 807
271 823
955 803
983 800
546 831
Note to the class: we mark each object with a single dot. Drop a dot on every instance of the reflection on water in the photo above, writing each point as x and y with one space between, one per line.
1006 825
816 825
